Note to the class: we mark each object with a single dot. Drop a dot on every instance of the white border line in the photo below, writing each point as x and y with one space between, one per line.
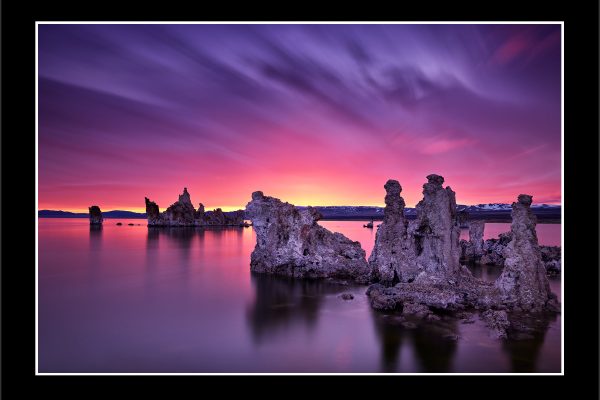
562 226
562 195
37 222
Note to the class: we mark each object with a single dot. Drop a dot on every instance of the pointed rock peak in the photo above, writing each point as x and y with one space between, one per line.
435 179
392 186
185 197
525 199
257 195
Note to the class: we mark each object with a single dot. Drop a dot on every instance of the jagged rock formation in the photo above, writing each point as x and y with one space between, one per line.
435 233
182 213
493 253
472 250
441 282
95 215
523 283
493 250
476 229
393 256
290 242
551 259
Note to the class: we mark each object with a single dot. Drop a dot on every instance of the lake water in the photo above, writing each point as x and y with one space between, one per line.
138 299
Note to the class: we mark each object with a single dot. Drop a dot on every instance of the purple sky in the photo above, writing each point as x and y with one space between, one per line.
313 114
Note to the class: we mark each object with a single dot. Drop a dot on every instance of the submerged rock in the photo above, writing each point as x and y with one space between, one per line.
290 242
183 213
523 283
347 296
497 322
95 215
369 225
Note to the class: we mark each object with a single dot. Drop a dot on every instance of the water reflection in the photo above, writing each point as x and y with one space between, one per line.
95 237
433 343
138 299
528 336
281 303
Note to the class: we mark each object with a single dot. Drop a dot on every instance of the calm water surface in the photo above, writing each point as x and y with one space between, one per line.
134 299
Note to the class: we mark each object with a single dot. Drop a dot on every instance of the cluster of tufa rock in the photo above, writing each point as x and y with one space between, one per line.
416 265
183 213
95 215
290 242
492 251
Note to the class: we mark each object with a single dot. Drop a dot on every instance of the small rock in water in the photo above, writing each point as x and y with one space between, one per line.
498 322
119 223
130 224
347 296
409 325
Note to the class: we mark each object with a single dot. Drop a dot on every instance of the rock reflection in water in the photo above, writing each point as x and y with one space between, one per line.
433 342
525 341
282 303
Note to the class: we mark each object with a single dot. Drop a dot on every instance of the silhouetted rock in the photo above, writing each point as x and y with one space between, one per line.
523 283
182 213
369 225
95 215
153 213
119 223
290 242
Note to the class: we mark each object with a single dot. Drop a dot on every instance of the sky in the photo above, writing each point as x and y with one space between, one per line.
311 114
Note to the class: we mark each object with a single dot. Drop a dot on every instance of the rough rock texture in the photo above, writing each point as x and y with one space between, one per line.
95 215
290 242
415 310
393 256
494 254
472 250
476 229
435 233
498 323
523 283
442 282
493 250
182 213
551 259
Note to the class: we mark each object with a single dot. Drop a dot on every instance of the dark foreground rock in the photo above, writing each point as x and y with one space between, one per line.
183 213
95 215
290 242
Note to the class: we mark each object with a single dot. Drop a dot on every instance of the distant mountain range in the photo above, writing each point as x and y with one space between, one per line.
478 211
106 214
491 211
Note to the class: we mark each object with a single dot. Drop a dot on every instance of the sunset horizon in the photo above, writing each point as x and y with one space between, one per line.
310 114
